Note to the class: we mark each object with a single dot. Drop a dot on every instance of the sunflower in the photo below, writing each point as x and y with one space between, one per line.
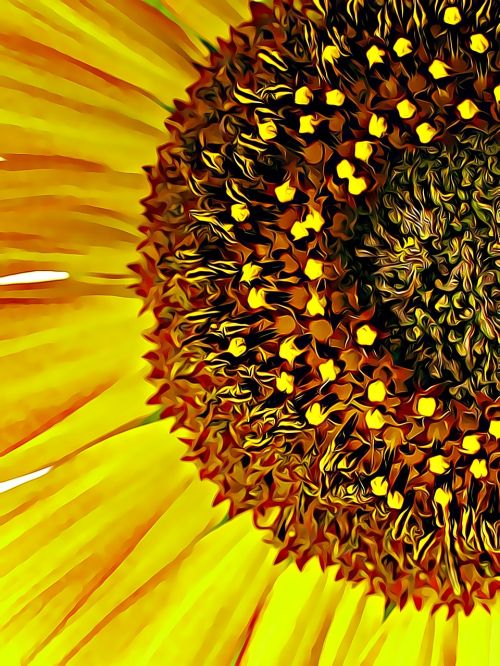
316 264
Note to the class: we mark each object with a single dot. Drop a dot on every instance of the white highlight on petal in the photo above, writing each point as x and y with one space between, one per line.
32 277
13 483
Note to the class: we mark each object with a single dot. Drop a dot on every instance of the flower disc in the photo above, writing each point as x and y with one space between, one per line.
322 258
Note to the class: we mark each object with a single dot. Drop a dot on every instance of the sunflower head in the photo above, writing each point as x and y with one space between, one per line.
321 257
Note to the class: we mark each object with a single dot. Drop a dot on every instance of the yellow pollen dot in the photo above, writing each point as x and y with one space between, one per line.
316 306
307 125
438 464
452 15
256 298
426 406
494 429
331 53
374 419
467 109
285 192
496 92
479 43
240 212
379 486
328 371
299 230
267 130
250 272
377 126
314 269
426 132
439 69
471 444
315 415
345 169
375 55
402 47
335 97
377 391
285 383
237 347
363 150
442 497
356 185
406 109
288 351
314 220
395 500
479 469
303 96
366 335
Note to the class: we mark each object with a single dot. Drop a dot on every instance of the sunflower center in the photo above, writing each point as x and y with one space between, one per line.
428 261
322 262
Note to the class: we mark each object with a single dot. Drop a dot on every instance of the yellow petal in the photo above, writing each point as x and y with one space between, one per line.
303 600
229 571
206 19
93 530
356 618
405 637
59 357
475 638
146 50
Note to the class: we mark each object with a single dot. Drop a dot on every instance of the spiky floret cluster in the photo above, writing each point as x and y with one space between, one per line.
282 360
